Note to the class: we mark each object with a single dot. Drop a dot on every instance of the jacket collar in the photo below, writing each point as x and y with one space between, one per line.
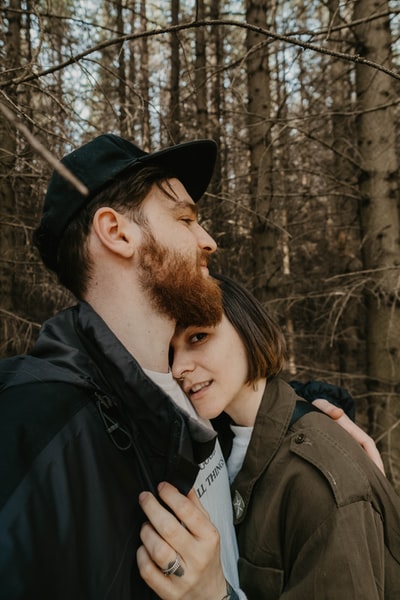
272 422
77 347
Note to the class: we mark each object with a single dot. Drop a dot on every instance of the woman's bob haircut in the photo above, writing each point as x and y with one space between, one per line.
262 337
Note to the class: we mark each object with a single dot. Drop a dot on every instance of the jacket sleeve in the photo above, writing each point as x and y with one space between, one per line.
312 390
342 559
335 540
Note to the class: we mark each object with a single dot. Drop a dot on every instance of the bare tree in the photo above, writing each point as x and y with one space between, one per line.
174 106
266 264
379 209
344 227
8 154
121 69
200 71
144 79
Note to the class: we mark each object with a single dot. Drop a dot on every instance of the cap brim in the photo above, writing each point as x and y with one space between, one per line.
191 162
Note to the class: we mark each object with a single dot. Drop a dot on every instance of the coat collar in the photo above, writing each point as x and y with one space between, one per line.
77 347
272 422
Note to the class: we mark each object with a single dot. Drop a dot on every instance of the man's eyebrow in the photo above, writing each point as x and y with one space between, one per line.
185 205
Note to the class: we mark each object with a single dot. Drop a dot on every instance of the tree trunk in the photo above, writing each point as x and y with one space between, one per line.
217 99
121 72
266 263
344 232
8 155
379 208
174 106
144 79
213 203
200 72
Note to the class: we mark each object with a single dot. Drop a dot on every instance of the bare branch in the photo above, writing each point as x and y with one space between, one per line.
355 58
18 318
48 156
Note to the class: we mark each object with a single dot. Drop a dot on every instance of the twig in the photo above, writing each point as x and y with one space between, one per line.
18 318
38 146
355 58
385 433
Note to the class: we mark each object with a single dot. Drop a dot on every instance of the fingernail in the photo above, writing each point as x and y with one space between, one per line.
161 485
142 496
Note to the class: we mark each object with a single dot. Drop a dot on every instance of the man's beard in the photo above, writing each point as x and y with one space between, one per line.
177 287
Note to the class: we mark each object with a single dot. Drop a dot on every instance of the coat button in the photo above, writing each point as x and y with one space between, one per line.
238 505
300 437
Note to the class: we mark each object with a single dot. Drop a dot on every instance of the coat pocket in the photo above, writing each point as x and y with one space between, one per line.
260 583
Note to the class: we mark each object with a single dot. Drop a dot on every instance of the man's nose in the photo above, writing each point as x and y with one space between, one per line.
205 241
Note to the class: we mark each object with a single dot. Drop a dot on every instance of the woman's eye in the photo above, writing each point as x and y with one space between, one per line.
197 337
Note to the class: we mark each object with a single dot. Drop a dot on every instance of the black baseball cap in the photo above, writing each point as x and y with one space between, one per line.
100 162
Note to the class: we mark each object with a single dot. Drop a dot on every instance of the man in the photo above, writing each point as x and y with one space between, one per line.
87 431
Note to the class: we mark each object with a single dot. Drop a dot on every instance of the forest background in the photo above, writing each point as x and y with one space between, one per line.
302 98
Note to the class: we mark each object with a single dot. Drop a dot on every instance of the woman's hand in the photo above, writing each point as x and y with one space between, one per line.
354 430
187 535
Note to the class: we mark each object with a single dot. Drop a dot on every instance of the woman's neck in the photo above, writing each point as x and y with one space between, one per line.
244 408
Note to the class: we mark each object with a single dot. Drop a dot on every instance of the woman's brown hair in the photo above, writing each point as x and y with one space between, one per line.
262 337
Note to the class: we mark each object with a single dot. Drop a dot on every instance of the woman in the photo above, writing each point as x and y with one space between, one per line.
315 518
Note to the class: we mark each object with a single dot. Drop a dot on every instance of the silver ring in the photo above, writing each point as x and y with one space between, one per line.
174 568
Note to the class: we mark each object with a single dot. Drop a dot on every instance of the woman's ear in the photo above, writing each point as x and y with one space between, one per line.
115 231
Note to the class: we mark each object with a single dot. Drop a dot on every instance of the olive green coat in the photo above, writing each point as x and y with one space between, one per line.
316 519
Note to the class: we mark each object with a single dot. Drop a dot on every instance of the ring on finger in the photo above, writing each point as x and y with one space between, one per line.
174 568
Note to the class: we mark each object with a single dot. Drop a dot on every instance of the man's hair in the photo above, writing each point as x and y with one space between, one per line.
262 337
124 195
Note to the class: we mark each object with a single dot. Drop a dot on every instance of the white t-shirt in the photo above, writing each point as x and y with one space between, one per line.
239 448
211 485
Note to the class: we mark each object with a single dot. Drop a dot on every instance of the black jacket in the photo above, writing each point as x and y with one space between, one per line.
82 432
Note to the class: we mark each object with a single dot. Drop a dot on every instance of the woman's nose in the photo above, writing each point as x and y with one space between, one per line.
180 368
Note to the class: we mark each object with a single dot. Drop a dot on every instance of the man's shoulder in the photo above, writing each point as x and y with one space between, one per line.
29 383
39 405
43 396
31 416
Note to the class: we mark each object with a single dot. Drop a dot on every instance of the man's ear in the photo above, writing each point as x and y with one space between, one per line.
115 231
